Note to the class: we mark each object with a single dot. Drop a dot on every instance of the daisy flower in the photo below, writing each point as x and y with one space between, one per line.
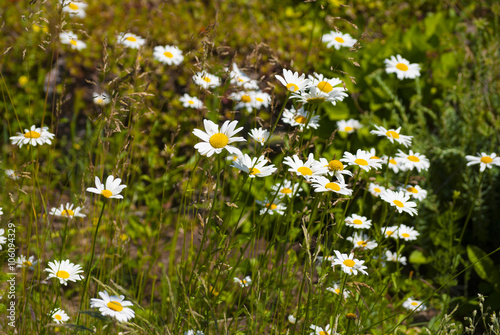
349 126
67 211
358 222
393 135
308 169
271 208
400 200
335 168
362 241
74 8
169 54
35 136
363 159
315 96
130 40
349 264
234 157
112 189
242 80
262 99
113 306
189 101
245 282
336 289
402 68
414 160
206 80
23 262
100 99
72 39
320 331
327 85
375 189
292 319
298 118
64 271
337 40
287 189
214 141
390 231
393 257
407 233
416 192
322 184
484 160
260 135
192 332
246 100
395 164
254 167
3 239
12 174
292 81
59 316
414 305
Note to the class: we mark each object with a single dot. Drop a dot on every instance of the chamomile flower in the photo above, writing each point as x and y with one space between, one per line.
413 305
3 239
322 184
363 159
240 79
271 208
402 68
327 85
400 200
262 99
114 306
260 135
12 174
74 8
358 222
191 102
349 264
255 167
169 54
414 160
246 100
23 262
335 168
311 168
59 316
349 126
336 289
131 40
100 99
234 157
72 40
416 192
390 231
393 135
484 160
292 319
292 81
376 189
64 271
206 80
67 211
214 140
395 164
287 189
393 257
298 118
337 40
112 189
407 233
362 241
245 282
316 96
35 136
322 331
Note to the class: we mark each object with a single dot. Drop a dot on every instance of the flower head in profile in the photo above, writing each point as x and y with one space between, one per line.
292 81
100 99
245 282
390 231
413 305
393 257
168 54
214 140
393 135
298 118
400 200
59 316
322 331
414 161
310 168
376 189
260 135
402 68
67 211
250 100
237 77
335 168
337 40
336 288
363 159
191 102
292 319
407 233
64 271
72 40
362 241
416 192
131 40
349 264
255 167
287 189
35 136
271 207
315 95
328 85
206 80
114 306
74 8
112 189
349 126
484 160
395 164
358 222
12 174
23 262
322 184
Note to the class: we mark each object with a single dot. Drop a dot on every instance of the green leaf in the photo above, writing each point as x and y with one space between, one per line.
418 257
483 265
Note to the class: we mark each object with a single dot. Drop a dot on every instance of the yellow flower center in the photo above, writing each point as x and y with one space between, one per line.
73 6
414 303
243 281
349 262
219 140
378 190
191 102
241 80
392 133
337 290
412 189
58 317
357 221
305 171
325 86
271 206
286 190
393 161
62 274
398 203
389 232
335 165
32 134
402 67
27 263
323 333
106 193
67 212
131 39
246 98
339 39
333 186
259 99
300 119
115 305
361 161
405 235
168 54
486 159
348 128
254 171
292 87
99 101
351 316
413 159
73 42
206 79
362 243
374 157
